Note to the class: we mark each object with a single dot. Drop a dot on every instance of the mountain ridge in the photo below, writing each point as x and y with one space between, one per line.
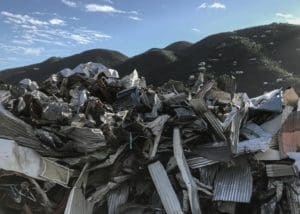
261 58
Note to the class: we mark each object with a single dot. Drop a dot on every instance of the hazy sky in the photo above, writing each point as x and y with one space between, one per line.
33 30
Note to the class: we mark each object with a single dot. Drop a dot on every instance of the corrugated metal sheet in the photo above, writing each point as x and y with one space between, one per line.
208 174
234 183
198 162
289 139
279 170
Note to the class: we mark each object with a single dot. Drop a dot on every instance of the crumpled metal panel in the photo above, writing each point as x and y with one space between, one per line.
234 183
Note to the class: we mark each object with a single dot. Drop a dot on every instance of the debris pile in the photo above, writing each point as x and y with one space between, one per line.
87 141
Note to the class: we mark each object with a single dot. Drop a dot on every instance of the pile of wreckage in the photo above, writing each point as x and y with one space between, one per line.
87 141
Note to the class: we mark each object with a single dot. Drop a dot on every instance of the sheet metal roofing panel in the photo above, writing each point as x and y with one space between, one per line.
234 183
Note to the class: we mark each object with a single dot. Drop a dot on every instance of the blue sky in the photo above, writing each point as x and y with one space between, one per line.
34 30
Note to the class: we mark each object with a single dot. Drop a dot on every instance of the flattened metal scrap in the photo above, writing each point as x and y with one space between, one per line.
26 161
132 80
273 126
4 96
110 160
280 170
156 127
164 188
270 154
155 108
77 203
85 139
200 107
207 87
240 100
117 198
12 127
293 196
259 140
295 156
252 131
103 190
185 172
254 145
271 101
234 183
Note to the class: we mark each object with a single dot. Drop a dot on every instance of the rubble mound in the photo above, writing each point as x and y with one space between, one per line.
87 141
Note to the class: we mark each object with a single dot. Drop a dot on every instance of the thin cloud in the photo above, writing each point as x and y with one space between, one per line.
69 3
49 32
107 9
31 51
289 18
202 6
109 1
7 59
74 18
197 30
56 21
215 5
285 15
22 19
135 18
102 8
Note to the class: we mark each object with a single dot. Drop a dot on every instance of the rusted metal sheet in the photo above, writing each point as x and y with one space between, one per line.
289 138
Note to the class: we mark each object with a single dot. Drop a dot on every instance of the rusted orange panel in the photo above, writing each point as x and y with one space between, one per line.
289 138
